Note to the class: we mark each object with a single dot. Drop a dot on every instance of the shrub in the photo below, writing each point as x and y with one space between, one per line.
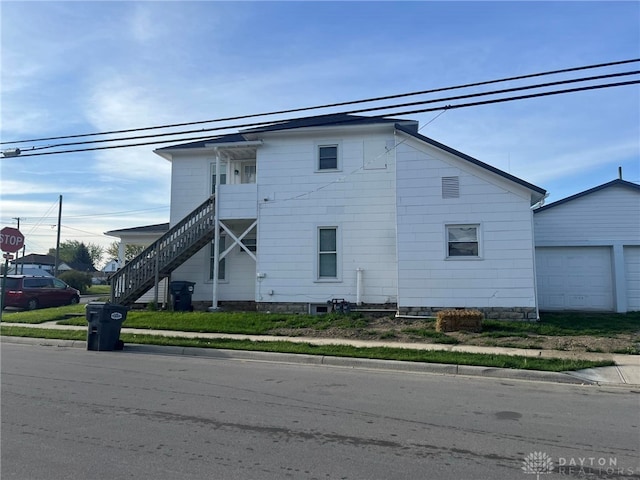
452 320
78 280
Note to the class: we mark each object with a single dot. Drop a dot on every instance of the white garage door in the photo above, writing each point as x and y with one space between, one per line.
632 274
574 278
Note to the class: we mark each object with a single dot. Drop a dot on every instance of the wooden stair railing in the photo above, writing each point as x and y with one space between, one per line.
164 255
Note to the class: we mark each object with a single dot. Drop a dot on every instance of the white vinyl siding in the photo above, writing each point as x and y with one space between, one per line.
427 275
361 206
605 217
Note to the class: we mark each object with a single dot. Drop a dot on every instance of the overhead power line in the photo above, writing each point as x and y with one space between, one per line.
332 105
404 112
351 112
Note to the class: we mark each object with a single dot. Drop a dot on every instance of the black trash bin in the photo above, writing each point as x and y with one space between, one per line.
181 292
105 321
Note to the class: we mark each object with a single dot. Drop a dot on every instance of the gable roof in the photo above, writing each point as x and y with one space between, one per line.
336 119
475 161
37 259
410 127
330 120
614 183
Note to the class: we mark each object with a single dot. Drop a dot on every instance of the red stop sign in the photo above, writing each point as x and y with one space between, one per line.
11 240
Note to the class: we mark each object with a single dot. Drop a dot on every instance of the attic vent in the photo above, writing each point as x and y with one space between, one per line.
450 187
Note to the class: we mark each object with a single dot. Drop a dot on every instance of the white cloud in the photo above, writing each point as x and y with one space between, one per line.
143 28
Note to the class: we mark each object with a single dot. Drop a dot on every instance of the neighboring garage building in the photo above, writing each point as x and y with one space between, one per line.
588 250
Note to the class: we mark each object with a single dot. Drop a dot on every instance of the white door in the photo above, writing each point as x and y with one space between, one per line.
632 275
574 278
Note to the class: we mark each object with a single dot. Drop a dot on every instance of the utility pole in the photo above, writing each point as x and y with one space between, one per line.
55 266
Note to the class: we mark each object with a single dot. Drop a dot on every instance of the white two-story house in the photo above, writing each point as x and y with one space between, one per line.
364 209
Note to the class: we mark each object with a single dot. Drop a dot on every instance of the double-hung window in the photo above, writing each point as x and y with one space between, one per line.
463 241
223 262
249 174
223 176
327 157
327 253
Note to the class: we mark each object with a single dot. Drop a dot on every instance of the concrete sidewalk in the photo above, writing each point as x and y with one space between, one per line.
625 372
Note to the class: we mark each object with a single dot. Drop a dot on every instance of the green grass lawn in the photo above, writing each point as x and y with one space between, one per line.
560 324
382 353
605 325
557 324
99 290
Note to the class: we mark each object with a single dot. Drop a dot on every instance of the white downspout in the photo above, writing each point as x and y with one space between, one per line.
359 286
216 236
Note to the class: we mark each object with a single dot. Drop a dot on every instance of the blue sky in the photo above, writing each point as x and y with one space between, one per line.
79 67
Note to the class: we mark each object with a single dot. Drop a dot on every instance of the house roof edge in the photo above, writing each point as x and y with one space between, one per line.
616 182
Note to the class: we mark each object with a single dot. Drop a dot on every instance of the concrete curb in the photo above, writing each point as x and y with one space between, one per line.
344 362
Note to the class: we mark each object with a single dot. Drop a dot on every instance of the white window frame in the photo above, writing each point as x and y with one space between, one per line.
248 177
329 143
223 261
478 241
224 176
337 253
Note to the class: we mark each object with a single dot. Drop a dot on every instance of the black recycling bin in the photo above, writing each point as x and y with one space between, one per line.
181 292
105 320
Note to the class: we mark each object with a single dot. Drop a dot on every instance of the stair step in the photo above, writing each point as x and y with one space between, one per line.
138 276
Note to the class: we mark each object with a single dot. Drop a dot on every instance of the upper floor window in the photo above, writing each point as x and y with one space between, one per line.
463 240
249 174
327 157
223 176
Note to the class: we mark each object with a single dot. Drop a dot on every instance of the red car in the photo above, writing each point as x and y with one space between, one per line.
30 292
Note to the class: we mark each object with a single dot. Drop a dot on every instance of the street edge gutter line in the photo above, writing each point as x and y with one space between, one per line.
325 360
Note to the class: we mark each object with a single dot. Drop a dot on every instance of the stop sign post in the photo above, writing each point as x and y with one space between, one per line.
11 240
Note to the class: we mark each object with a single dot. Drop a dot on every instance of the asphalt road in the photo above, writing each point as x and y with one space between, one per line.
72 414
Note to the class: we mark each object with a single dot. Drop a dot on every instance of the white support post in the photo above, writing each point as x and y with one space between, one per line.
121 250
216 236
